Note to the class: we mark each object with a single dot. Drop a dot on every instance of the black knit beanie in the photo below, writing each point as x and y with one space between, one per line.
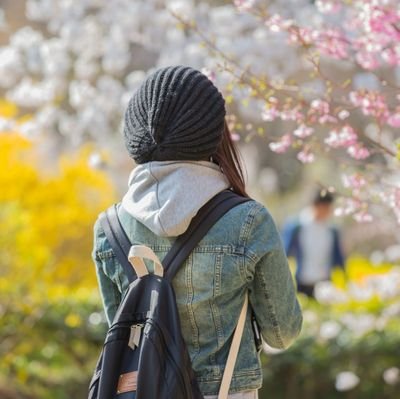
176 114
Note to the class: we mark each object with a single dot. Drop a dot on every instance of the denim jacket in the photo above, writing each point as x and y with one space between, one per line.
241 253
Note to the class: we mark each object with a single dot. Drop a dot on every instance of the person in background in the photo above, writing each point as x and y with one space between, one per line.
315 243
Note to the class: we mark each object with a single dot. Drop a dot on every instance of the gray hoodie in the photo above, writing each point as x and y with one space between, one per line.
165 196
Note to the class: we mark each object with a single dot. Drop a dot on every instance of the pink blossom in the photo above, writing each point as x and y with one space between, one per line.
367 60
344 137
343 114
358 151
209 73
327 119
291 114
328 7
339 211
350 205
271 111
369 43
277 24
354 181
244 5
333 43
282 145
356 97
303 35
371 103
363 217
391 55
273 100
320 106
235 137
303 131
378 34
396 195
270 114
353 206
383 20
392 198
305 156
394 119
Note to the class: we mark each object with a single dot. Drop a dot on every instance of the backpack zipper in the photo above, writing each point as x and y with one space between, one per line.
114 330
135 335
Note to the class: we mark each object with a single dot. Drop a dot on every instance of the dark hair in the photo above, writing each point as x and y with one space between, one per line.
323 197
227 157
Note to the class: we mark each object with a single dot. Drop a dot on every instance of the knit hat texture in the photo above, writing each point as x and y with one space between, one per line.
176 114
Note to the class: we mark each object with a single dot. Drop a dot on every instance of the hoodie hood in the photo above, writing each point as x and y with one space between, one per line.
166 195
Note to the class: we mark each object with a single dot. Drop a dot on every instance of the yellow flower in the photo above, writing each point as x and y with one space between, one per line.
48 217
8 109
73 320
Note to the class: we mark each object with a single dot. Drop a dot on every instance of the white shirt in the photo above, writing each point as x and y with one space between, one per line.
316 242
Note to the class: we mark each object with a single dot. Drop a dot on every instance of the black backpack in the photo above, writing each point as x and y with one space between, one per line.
144 355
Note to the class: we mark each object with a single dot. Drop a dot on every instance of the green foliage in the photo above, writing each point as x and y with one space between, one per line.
308 370
50 333
50 352
354 338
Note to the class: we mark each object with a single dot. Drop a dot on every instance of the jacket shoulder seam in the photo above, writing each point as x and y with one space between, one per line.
248 223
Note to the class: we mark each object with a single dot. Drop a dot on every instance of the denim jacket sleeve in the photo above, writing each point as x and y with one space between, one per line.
272 291
110 295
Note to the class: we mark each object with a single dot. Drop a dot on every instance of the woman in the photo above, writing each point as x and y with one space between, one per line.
176 133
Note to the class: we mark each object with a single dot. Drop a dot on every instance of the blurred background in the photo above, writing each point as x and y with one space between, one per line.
313 92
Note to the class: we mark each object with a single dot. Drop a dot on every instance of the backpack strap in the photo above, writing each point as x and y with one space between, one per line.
233 351
118 239
205 218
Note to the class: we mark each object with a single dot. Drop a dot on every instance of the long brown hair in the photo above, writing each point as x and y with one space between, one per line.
227 157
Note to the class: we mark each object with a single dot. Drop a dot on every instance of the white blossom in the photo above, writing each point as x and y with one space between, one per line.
90 41
392 375
26 38
81 93
47 117
134 79
6 124
29 93
346 380
327 293
40 10
359 324
56 59
329 329
95 160
29 129
11 67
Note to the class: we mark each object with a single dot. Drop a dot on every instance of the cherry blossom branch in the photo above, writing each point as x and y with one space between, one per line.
386 150
243 72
